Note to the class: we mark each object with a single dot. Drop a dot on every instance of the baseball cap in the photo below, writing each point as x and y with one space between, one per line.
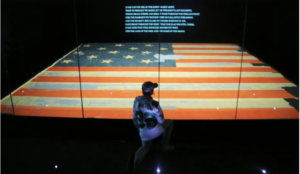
148 86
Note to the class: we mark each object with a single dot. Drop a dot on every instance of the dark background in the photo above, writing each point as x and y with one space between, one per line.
36 33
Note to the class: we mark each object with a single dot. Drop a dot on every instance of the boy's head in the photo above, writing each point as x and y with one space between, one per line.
148 88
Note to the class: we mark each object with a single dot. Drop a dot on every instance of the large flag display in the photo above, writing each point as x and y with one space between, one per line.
196 81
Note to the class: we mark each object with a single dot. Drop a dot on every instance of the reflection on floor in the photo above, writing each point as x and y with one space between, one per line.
197 81
38 156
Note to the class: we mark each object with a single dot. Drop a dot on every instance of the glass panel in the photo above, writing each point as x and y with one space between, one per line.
270 90
203 83
42 33
6 52
114 63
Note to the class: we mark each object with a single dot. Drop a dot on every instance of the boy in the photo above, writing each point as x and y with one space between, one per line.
148 118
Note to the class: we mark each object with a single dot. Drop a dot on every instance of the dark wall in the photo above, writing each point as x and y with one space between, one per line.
272 34
39 33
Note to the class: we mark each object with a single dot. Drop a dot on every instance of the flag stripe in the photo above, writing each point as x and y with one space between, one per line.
181 56
162 79
180 114
217 60
215 65
206 51
212 54
160 75
165 103
162 86
166 69
163 94
205 48
236 57
205 44
278 113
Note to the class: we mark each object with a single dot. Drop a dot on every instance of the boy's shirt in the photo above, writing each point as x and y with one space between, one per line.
148 117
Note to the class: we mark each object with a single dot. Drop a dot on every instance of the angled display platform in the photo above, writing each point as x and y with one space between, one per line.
196 81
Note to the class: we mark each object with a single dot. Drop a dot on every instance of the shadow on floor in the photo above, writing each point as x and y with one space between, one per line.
39 156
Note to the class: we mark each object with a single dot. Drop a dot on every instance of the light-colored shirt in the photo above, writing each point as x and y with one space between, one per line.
147 117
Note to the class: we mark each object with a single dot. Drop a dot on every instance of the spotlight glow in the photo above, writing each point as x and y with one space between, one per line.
264 171
55 166
158 171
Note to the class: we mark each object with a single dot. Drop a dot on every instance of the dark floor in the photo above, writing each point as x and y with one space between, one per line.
39 156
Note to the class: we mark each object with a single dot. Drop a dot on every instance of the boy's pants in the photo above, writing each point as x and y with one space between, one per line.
143 150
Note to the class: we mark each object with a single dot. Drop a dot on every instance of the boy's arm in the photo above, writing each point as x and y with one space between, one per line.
158 112
135 122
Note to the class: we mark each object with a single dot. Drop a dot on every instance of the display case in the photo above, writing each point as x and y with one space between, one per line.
89 59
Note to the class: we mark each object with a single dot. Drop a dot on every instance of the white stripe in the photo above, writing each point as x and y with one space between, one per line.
156 74
162 86
165 103
216 65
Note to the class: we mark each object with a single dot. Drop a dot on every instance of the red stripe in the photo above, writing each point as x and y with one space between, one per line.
179 114
163 94
217 60
212 54
167 69
69 112
162 79
219 44
270 113
186 48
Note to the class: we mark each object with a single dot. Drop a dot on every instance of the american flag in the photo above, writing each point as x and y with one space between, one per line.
196 81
